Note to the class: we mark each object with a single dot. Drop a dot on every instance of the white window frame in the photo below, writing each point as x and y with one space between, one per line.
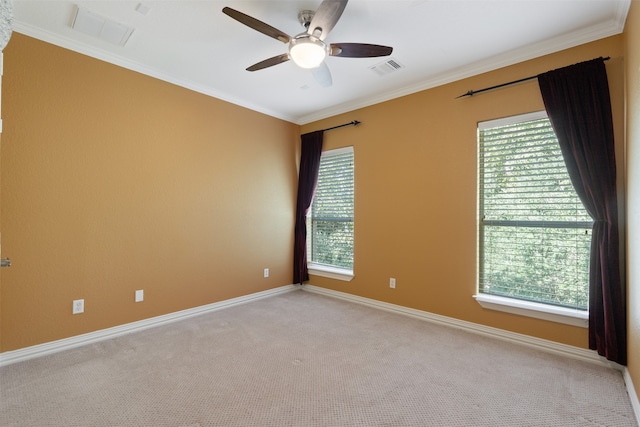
532 309
323 270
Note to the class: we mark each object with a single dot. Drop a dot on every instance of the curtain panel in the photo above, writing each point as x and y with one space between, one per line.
579 108
310 153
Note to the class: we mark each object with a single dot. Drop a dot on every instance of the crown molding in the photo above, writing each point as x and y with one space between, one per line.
75 46
567 41
606 29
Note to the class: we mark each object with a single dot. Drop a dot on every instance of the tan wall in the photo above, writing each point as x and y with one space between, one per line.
632 38
415 183
113 181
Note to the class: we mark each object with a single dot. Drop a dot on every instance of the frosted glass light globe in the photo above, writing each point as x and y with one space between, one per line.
307 51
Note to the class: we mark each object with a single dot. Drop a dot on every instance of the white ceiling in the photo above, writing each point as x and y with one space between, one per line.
194 45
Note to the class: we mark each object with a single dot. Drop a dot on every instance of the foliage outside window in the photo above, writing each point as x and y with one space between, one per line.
534 233
330 219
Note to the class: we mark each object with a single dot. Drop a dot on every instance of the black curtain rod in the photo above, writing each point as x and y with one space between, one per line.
473 92
352 123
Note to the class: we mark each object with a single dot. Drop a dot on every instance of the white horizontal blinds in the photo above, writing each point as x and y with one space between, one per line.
331 222
534 231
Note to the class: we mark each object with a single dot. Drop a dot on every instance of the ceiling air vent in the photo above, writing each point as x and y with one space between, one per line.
98 26
384 68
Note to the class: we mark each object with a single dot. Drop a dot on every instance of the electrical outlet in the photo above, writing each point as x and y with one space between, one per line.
392 283
266 272
139 295
78 306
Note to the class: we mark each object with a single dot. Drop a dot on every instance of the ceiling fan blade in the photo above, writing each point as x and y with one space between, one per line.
359 50
270 62
322 75
257 25
326 18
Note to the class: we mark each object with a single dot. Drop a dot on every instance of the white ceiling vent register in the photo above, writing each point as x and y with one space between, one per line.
386 67
98 26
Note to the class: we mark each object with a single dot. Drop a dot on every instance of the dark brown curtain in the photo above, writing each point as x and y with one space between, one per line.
578 105
310 153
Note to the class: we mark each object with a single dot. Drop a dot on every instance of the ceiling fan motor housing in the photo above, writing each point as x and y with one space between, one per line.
305 17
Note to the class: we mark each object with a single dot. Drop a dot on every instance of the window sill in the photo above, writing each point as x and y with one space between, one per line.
331 272
552 313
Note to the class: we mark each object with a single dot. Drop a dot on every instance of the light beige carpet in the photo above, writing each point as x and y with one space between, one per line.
301 359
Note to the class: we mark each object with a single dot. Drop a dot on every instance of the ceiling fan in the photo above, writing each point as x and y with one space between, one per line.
308 49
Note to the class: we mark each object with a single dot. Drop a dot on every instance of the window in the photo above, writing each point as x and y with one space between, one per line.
330 219
534 233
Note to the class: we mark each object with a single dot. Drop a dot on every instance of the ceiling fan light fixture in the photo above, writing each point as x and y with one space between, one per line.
307 51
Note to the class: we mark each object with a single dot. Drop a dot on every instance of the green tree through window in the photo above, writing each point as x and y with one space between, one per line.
330 220
534 233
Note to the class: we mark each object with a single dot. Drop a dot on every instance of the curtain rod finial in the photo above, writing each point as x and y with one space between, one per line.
468 93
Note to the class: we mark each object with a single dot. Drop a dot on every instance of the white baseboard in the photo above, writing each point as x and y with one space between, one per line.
39 350
539 343
631 391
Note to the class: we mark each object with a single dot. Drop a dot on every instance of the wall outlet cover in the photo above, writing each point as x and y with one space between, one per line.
78 306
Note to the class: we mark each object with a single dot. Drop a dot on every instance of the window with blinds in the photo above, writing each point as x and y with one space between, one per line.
534 233
330 219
